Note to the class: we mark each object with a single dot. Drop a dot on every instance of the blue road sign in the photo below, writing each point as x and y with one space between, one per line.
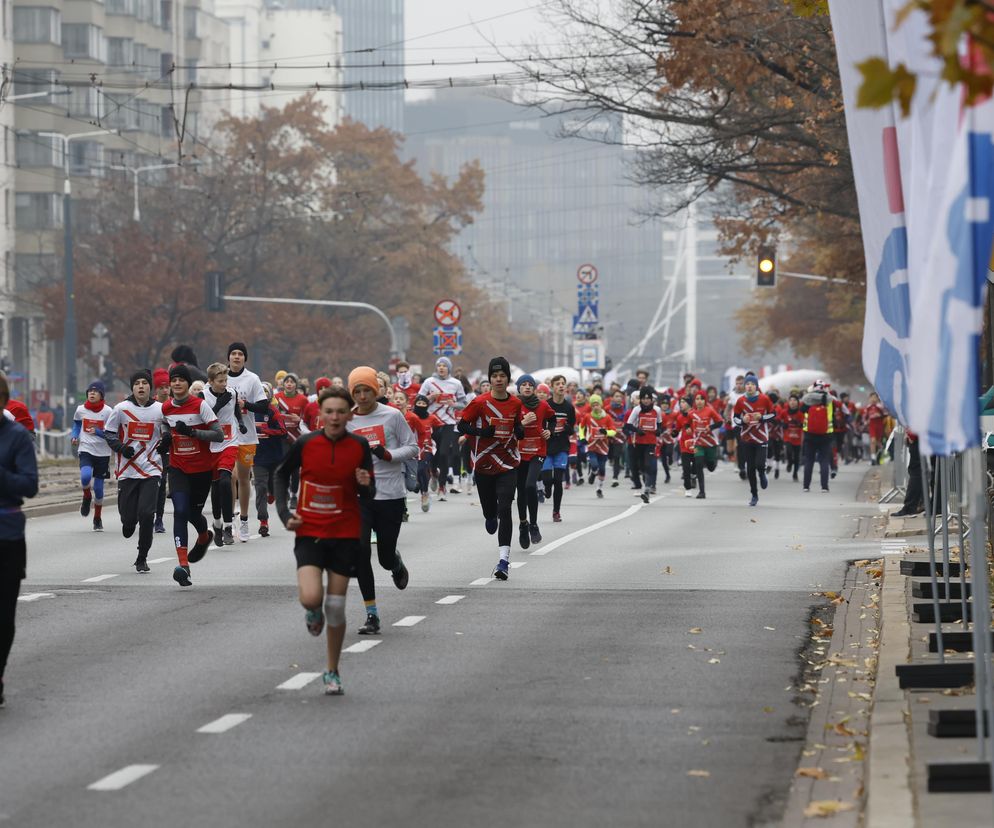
447 340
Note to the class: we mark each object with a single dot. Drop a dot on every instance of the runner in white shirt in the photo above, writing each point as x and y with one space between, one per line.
88 426
252 398
133 431
225 404
446 398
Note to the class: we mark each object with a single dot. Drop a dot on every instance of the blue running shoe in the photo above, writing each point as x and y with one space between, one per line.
500 571
754 500
333 684
314 618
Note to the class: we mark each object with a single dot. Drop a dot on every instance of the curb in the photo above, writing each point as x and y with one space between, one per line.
61 507
890 800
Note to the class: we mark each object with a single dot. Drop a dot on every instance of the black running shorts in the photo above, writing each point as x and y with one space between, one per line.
339 555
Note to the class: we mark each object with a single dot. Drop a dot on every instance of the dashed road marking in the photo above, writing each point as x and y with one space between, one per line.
579 533
481 582
35 596
161 560
122 778
409 621
362 646
225 723
517 564
298 681
96 579
450 599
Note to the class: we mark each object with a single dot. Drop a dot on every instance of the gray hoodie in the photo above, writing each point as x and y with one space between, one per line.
386 426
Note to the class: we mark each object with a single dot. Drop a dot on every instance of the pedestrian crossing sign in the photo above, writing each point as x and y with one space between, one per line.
588 316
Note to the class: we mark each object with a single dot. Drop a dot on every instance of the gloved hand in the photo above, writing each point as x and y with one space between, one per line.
382 453
128 452
164 443
488 431
242 427
183 428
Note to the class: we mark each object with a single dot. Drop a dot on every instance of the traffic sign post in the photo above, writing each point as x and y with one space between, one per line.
586 274
447 340
588 355
448 313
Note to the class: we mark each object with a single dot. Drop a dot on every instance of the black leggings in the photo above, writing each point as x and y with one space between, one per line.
754 455
445 439
616 454
644 468
223 496
13 556
665 452
189 493
689 470
136 502
160 503
528 474
553 481
383 517
496 496
793 457
702 463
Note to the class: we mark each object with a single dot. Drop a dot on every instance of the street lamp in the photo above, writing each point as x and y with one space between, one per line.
135 172
69 324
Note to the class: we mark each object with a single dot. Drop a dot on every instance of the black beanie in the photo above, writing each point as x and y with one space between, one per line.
646 392
238 346
184 353
182 372
142 373
499 364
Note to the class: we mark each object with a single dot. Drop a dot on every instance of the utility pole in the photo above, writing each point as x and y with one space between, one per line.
135 172
69 323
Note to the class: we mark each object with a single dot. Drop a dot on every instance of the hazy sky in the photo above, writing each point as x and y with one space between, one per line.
460 29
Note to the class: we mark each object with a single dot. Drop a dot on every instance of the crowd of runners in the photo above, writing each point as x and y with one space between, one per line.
337 462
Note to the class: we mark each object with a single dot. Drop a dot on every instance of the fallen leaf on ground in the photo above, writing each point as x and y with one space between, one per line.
826 807
714 661
668 571
812 773
702 773
695 630
768 709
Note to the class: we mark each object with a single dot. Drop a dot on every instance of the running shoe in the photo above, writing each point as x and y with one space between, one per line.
218 536
404 518
776 474
372 537
491 525
441 496
181 575
454 489
615 483
591 478
372 625
229 536
524 538
128 531
98 524
652 491
742 474
160 528
542 495
645 497
667 480
141 565
688 492
263 530
753 500
500 571
573 475
433 483
333 684
536 535
243 529
557 518
763 482
825 489
425 502
200 547
600 493
314 618
795 478
834 472
84 508
805 489
700 496
400 574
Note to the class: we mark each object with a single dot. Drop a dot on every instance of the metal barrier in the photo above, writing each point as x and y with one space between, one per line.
900 446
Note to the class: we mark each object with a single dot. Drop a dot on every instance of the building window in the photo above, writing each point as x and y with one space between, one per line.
190 22
36 211
37 25
120 52
166 14
35 151
120 114
27 81
123 7
85 101
32 269
83 40
86 158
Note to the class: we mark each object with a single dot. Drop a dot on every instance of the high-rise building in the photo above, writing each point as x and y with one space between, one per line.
142 49
6 172
373 55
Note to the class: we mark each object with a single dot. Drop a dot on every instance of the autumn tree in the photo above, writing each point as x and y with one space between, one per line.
284 206
742 102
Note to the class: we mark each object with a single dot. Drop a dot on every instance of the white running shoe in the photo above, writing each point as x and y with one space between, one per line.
243 531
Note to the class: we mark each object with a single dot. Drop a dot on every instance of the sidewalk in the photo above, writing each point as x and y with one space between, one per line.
59 491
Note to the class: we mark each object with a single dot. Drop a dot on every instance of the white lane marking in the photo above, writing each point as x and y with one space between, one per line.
122 778
481 582
362 646
35 596
161 560
579 533
298 681
516 564
98 578
226 722
410 621
450 599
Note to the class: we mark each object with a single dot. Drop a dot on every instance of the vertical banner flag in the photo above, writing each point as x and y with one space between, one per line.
860 34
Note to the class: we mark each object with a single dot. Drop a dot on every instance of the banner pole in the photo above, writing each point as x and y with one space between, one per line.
929 513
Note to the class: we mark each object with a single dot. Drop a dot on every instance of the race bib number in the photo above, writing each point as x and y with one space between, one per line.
321 500
647 422
184 446
504 427
446 399
560 426
375 435
91 426
140 431
531 445
227 430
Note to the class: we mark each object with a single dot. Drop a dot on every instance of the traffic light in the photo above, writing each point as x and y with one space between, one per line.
215 291
766 268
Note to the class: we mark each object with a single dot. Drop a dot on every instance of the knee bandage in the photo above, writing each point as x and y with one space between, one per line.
334 610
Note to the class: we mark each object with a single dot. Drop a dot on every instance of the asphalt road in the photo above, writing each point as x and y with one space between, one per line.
573 694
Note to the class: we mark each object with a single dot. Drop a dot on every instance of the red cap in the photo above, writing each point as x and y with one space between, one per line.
321 383
160 377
